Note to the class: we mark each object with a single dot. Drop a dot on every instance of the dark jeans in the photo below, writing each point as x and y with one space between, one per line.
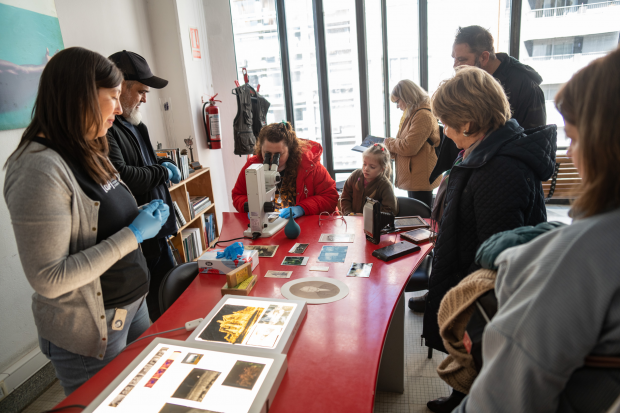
159 261
424 196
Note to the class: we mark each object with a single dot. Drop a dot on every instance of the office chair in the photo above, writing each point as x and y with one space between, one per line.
175 282
419 279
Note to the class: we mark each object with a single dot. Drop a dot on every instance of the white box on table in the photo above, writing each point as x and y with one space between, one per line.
209 264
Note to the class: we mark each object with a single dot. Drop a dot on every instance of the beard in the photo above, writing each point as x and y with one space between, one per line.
133 115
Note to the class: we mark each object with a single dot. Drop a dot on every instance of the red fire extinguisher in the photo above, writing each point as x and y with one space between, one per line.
211 119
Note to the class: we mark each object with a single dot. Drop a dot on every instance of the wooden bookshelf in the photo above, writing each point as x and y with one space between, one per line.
198 184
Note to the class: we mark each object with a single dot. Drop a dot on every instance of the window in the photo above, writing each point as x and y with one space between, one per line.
559 37
304 83
343 79
493 15
255 34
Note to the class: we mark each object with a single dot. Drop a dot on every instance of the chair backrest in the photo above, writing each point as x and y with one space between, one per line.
175 282
409 206
564 184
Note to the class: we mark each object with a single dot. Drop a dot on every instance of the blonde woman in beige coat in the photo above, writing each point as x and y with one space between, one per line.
414 145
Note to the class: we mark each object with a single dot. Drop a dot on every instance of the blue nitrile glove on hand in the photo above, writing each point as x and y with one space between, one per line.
496 244
163 208
149 221
297 212
173 172
231 252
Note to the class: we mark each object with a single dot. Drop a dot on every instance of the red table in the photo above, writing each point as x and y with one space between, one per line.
334 361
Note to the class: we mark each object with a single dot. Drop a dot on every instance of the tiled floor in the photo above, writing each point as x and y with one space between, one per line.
421 381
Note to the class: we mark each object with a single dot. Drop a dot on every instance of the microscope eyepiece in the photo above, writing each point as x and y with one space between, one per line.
267 160
275 159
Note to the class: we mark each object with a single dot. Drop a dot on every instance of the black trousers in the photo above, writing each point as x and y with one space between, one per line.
159 261
424 196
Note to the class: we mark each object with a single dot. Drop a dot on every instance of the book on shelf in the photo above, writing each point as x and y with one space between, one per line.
192 243
208 223
199 203
179 214
181 161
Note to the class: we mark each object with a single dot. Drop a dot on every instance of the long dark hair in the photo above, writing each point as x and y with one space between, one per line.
278 132
589 101
67 108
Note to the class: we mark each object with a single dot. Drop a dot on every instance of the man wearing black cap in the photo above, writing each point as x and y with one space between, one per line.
146 174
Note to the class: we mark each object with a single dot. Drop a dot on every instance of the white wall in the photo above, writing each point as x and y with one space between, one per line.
105 27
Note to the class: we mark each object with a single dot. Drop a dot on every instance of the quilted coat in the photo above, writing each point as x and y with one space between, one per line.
497 188
316 190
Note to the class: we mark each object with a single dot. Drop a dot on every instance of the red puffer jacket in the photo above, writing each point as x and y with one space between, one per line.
316 190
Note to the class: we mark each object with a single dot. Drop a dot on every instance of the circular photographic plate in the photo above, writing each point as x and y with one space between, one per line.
315 290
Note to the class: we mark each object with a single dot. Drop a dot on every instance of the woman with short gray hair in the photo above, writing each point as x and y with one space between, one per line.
414 145
493 186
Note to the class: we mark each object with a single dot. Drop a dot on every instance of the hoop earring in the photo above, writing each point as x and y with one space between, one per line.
465 133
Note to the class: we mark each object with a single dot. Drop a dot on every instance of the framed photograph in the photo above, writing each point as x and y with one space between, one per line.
360 270
295 261
264 251
337 238
278 274
298 248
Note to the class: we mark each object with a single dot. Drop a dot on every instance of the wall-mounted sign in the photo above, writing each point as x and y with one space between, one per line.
194 42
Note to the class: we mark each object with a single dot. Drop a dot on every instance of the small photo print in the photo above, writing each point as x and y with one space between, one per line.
243 375
295 261
360 269
264 251
196 385
276 315
337 238
192 358
278 274
298 248
333 253
175 408
264 336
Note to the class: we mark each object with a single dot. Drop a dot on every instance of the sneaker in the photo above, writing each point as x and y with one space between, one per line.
418 304
446 404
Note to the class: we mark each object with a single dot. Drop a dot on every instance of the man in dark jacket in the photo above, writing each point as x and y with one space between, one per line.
145 174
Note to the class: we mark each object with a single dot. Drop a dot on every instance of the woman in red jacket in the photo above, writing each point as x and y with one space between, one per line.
305 186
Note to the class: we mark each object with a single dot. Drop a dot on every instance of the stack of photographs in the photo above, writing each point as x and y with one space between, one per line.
172 377
265 323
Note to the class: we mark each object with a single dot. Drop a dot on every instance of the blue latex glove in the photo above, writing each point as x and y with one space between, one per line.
297 212
231 252
155 201
164 210
148 222
173 172
496 244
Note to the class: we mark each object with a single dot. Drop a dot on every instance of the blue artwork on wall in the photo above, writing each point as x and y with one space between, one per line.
29 37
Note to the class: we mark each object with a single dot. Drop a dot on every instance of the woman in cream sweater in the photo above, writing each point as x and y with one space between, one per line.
414 145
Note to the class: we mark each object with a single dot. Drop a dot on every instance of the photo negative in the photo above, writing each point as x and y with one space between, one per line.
196 385
264 251
231 324
162 369
175 408
295 261
243 375
278 274
264 336
360 270
192 358
312 290
276 315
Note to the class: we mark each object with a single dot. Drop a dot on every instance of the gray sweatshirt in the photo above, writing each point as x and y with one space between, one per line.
559 301
55 227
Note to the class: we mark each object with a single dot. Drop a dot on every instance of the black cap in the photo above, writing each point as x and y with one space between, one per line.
134 67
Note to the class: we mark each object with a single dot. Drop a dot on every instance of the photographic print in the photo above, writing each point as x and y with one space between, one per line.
29 37
278 274
298 248
360 269
276 314
264 336
243 375
192 358
337 238
196 385
138 377
231 324
314 290
319 268
264 251
175 408
332 253
295 261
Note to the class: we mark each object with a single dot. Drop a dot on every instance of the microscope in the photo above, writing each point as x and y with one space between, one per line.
261 181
